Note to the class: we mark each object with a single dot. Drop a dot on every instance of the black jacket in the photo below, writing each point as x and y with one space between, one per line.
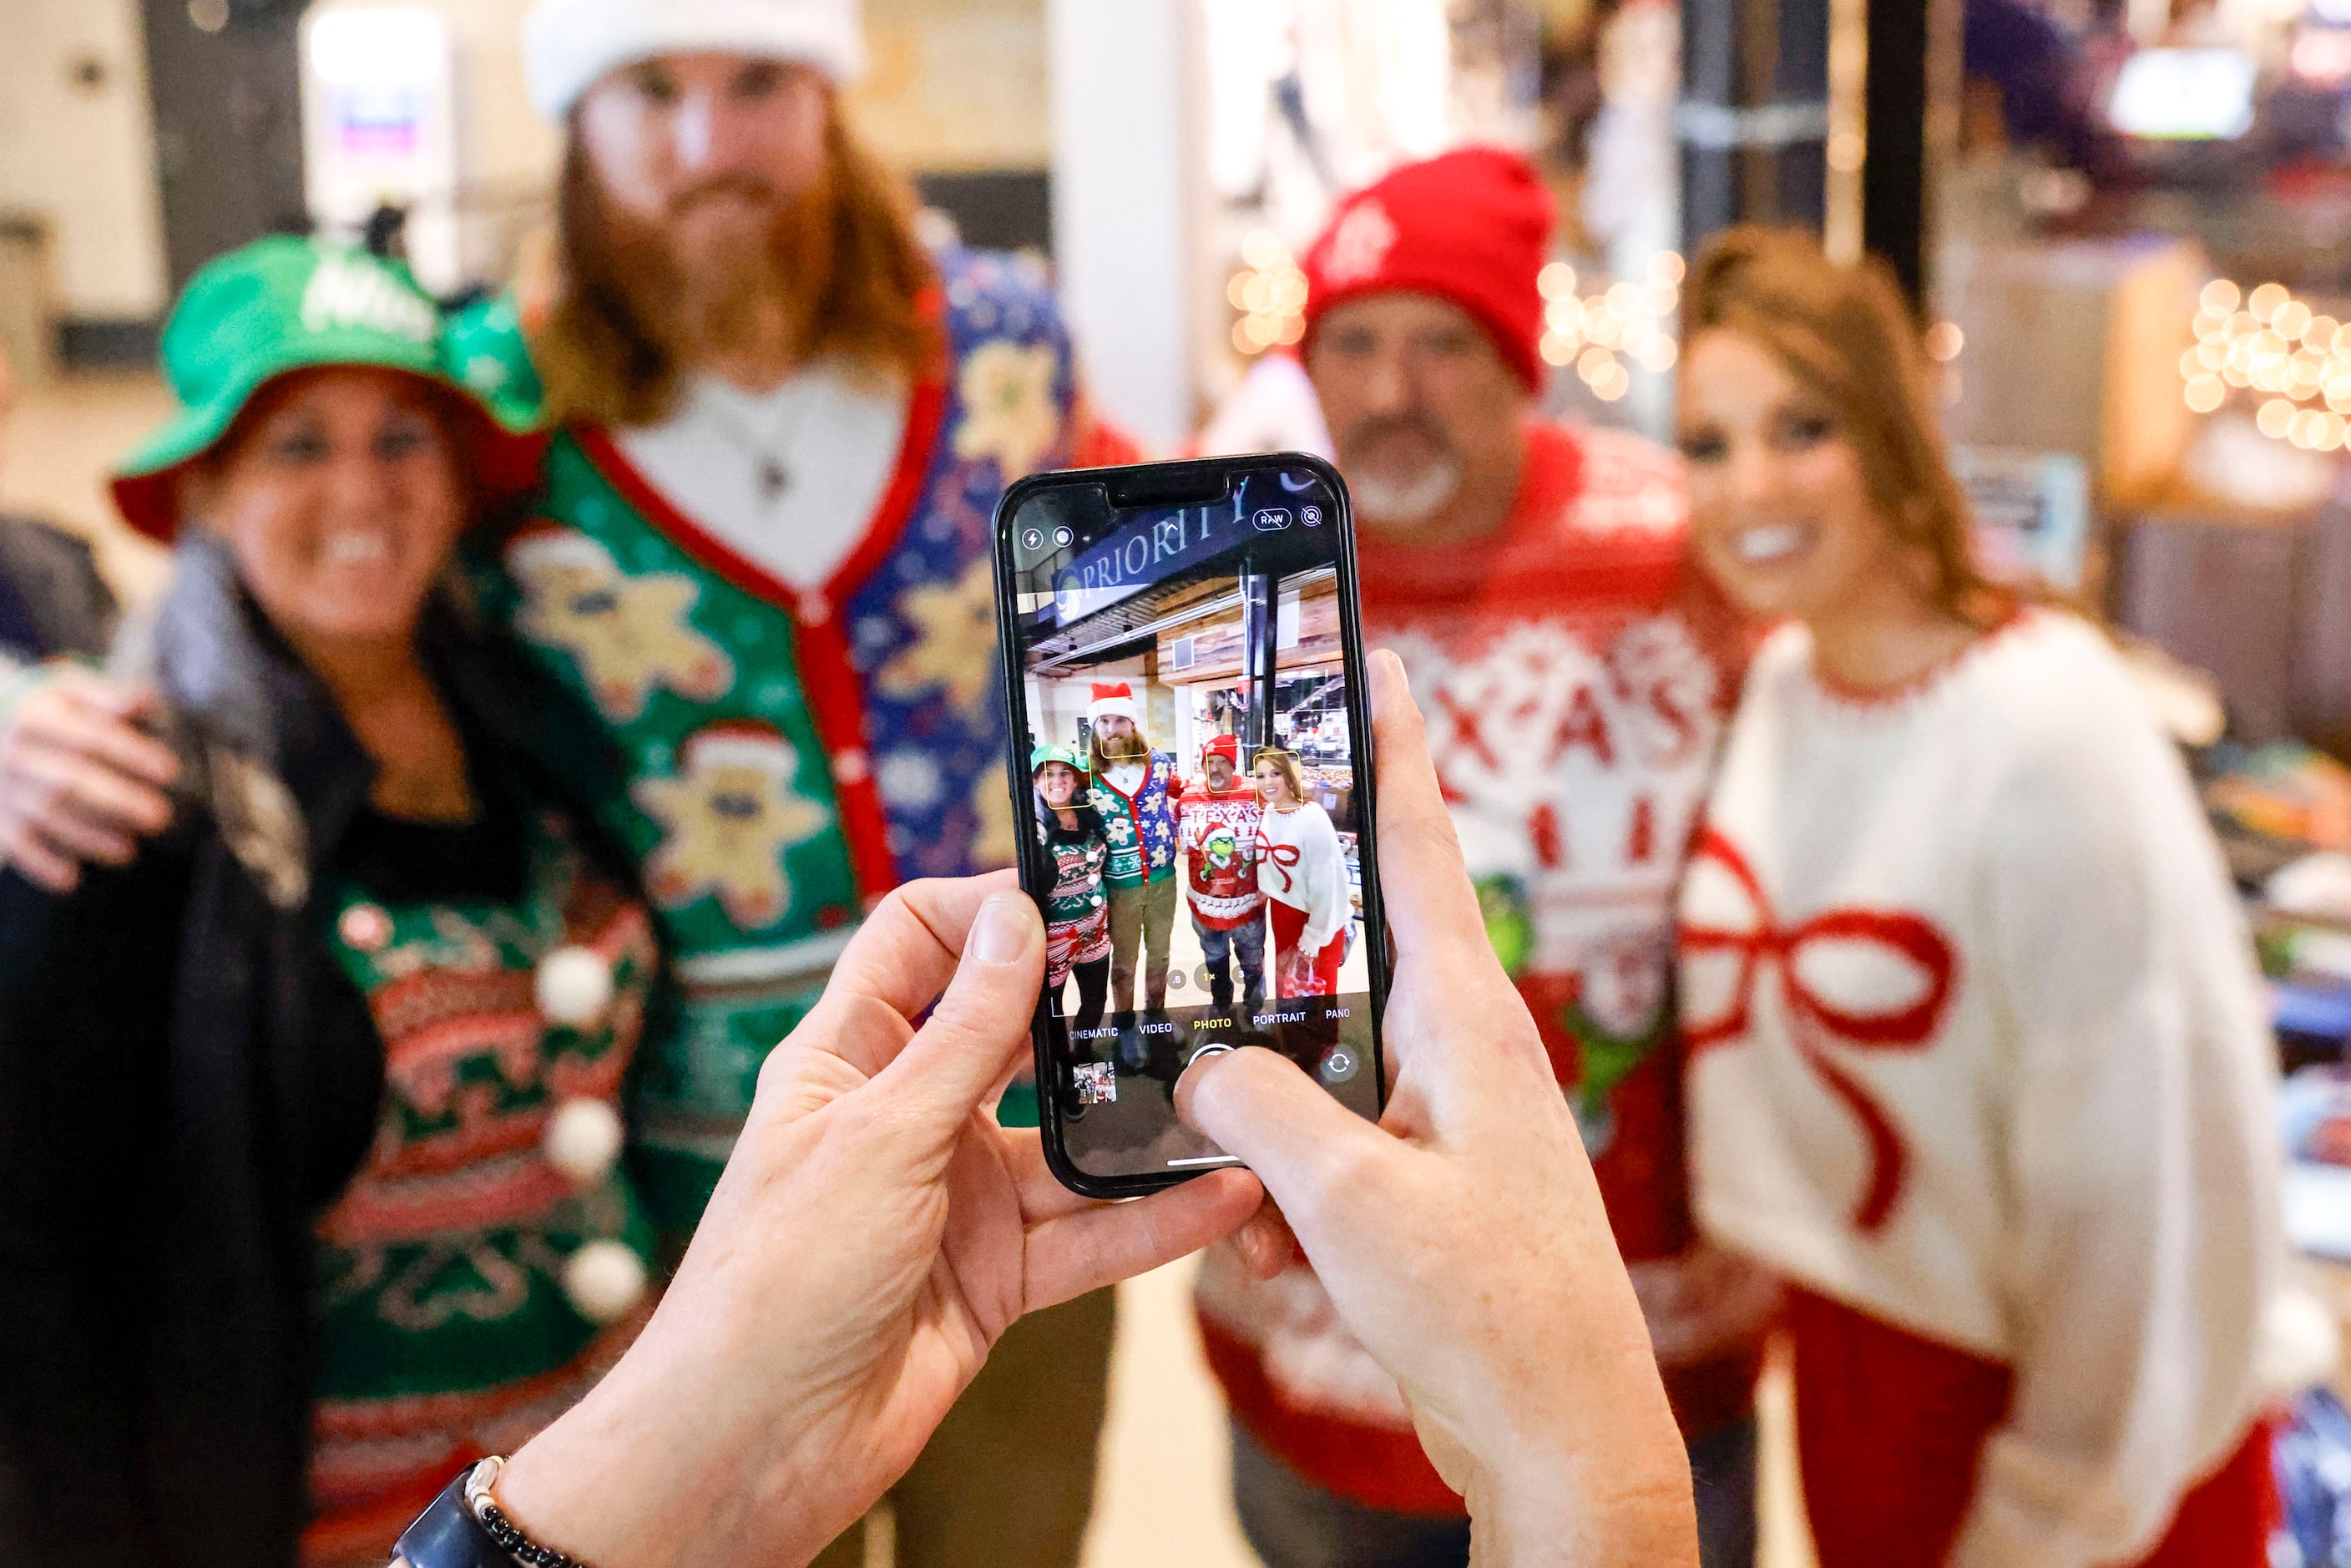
187 1080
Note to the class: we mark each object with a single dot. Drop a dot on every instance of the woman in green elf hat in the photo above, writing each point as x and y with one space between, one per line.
310 1187
1077 915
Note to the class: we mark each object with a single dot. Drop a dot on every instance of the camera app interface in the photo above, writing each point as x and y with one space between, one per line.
1191 802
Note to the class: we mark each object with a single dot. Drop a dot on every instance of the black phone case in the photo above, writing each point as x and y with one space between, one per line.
1184 477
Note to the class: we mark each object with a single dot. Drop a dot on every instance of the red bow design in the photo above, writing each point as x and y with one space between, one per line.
1815 1023
1283 857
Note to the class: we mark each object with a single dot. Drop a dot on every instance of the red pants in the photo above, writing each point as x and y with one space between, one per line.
1289 924
1888 1429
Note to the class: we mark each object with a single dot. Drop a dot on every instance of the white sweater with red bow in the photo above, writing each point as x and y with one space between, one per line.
1978 1047
1300 862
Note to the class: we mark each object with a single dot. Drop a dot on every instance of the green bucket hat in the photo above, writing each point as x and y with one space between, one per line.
286 303
1065 754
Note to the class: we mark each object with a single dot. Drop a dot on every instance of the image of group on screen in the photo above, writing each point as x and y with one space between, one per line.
1127 829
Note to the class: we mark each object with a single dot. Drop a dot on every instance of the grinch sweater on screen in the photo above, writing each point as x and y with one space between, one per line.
1978 1048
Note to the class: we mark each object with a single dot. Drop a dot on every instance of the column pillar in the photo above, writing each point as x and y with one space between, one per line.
1127 198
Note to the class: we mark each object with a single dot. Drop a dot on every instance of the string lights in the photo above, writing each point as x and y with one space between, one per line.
1597 333
1269 292
2271 344
1601 335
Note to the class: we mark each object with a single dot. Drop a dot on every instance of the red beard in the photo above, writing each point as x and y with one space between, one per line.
696 301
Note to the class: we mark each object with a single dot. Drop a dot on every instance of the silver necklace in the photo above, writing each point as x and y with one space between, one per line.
769 472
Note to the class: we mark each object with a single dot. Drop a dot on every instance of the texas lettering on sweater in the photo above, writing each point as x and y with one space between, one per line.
1219 830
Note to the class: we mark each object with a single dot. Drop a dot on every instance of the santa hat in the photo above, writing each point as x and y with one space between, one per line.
741 743
1228 746
1112 700
548 542
1470 227
569 44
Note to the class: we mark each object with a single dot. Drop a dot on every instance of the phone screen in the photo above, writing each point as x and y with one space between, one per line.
1191 791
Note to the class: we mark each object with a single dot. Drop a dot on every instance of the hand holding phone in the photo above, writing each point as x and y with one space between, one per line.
1192 787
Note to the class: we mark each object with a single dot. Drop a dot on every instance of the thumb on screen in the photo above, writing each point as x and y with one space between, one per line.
1259 1107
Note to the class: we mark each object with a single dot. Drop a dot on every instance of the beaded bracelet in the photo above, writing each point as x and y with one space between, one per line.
504 1531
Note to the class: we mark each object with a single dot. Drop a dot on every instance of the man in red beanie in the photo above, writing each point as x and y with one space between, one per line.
1217 820
1575 675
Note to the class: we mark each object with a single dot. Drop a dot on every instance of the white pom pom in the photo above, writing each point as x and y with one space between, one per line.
574 987
604 1280
583 1140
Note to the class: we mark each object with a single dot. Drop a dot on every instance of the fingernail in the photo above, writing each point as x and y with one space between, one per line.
999 934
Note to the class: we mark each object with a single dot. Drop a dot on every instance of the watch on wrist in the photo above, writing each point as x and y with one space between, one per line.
465 1528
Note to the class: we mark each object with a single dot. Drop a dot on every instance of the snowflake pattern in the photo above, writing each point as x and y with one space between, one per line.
1359 245
908 777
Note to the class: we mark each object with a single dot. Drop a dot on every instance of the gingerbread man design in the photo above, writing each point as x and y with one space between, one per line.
955 642
627 634
728 816
1010 413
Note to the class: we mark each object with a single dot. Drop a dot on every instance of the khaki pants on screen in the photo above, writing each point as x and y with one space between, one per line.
1141 916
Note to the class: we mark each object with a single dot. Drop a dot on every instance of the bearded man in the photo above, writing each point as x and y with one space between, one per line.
1576 676
775 397
762 553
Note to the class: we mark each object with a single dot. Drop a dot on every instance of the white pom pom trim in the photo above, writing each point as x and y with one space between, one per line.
583 1140
603 1280
573 987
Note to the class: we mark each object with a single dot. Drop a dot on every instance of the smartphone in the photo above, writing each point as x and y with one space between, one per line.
1192 786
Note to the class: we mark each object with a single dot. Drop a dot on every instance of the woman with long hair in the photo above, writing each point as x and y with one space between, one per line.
1302 873
1077 911
310 1187
1979 1061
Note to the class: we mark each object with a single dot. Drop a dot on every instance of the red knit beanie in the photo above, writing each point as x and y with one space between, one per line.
1470 227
